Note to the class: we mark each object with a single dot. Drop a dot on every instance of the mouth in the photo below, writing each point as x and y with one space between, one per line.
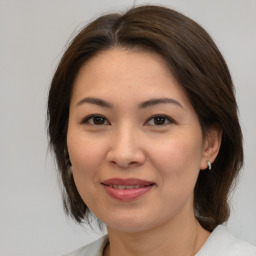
127 189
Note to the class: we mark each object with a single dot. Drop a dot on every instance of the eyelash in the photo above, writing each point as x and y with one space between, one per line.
87 120
165 117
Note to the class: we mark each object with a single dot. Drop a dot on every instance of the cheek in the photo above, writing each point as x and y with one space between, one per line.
178 159
85 154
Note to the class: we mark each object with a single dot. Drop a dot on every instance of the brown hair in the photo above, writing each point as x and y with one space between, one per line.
197 65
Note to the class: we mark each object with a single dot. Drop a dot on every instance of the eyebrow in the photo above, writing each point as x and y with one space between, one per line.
95 101
153 102
144 104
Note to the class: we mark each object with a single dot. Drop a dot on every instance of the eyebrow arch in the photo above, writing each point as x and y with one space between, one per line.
144 104
95 101
153 102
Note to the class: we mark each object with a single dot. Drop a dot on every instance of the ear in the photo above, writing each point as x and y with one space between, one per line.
211 146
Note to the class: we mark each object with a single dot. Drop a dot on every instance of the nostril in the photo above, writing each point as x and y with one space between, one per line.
123 164
113 162
125 158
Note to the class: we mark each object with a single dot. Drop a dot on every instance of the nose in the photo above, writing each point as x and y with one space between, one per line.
126 149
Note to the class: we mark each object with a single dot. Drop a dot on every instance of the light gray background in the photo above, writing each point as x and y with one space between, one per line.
33 34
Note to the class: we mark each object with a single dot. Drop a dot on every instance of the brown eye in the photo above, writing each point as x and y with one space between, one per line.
95 120
159 120
98 120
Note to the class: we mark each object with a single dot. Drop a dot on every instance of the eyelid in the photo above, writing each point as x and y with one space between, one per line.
171 121
87 118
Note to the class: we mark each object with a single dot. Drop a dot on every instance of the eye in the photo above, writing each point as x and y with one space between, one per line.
159 120
95 120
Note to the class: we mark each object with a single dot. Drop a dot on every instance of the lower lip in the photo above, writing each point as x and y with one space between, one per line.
127 194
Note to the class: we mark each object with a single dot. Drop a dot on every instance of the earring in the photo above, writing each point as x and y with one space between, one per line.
69 164
209 165
70 169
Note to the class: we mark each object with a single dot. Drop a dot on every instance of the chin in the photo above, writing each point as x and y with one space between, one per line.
132 223
128 227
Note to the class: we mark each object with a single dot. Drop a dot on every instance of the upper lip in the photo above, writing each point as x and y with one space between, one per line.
126 182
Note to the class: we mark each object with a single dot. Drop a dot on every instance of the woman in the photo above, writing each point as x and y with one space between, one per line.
143 123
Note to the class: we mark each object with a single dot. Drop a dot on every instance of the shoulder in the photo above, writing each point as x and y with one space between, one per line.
223 243
93 249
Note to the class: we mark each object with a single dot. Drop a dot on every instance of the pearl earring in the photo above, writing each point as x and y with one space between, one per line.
209 165
69 166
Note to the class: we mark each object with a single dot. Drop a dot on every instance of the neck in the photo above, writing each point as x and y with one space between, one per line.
182 239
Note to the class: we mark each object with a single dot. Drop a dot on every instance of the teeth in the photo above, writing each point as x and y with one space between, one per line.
120 186
126 187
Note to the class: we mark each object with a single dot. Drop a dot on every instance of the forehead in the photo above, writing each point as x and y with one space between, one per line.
127 73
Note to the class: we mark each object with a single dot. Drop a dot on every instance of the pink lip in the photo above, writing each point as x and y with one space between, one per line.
127 194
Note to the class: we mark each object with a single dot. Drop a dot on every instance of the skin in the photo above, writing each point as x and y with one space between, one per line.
126 142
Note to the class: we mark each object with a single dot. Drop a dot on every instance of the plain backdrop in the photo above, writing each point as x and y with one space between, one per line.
33 35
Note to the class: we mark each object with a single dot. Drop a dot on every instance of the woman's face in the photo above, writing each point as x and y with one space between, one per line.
134 140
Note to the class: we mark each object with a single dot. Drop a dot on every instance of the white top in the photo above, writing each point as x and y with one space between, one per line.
220 243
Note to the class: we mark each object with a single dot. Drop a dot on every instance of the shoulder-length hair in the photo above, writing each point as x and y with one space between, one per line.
198 66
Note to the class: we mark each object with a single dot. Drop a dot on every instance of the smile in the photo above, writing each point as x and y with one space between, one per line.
127 189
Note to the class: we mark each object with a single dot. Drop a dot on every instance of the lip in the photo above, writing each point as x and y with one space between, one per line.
127 194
